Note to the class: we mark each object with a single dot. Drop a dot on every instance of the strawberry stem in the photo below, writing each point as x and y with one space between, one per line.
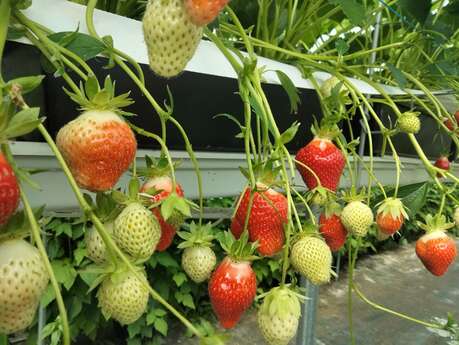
5 13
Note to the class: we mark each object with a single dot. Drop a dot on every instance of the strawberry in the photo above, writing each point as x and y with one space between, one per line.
357 218
311 256
278 316
163 185
9 191
331 227
442 163
436 249
23 280
449 123
123 297
409 123
203 12
170 35
266 221
137 231
98 145
198 259
233 285
323 158
390 216
95 246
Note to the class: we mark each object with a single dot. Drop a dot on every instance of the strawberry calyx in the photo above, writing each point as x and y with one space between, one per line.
353 195
393 207
105 207
435 223
239 250
92 97
309 229
332 208
281 302
198 235
325 132
320 196
156 167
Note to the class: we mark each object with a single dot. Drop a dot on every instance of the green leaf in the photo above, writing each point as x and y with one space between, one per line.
179 278
416 200
83 45
65 273
161 326
23 123
292 91
341 46
354 10
417 9
398 75
165 259
48 296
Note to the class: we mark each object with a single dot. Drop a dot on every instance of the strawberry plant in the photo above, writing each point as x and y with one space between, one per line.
123 250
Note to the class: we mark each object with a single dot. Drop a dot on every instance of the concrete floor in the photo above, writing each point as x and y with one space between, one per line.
395 279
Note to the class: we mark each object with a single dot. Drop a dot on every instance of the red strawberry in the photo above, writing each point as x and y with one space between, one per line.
449 122
324 159
442 163
169 227
267 218
99 147
436 251
390 216
203 12
232 289
332 231
9 191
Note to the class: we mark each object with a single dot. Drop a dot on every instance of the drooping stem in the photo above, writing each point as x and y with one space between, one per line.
387 310
5 13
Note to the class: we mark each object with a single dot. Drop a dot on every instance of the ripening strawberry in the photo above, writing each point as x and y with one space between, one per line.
390 216
9 191
98 147
278 316
312 258
449 123
437 251
442 163
357 218
232 289
203 12
137 231
23 280
123 297
170 35
332 231
169 227
266 221
324 159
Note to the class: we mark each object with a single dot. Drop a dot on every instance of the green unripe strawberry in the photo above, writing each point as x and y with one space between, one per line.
198 263
278 316
95 246
198 259
409 123
170 35
123 297
23 280
357 218
312 258
137 231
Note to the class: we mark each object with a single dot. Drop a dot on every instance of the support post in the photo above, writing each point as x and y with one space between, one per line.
306 330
